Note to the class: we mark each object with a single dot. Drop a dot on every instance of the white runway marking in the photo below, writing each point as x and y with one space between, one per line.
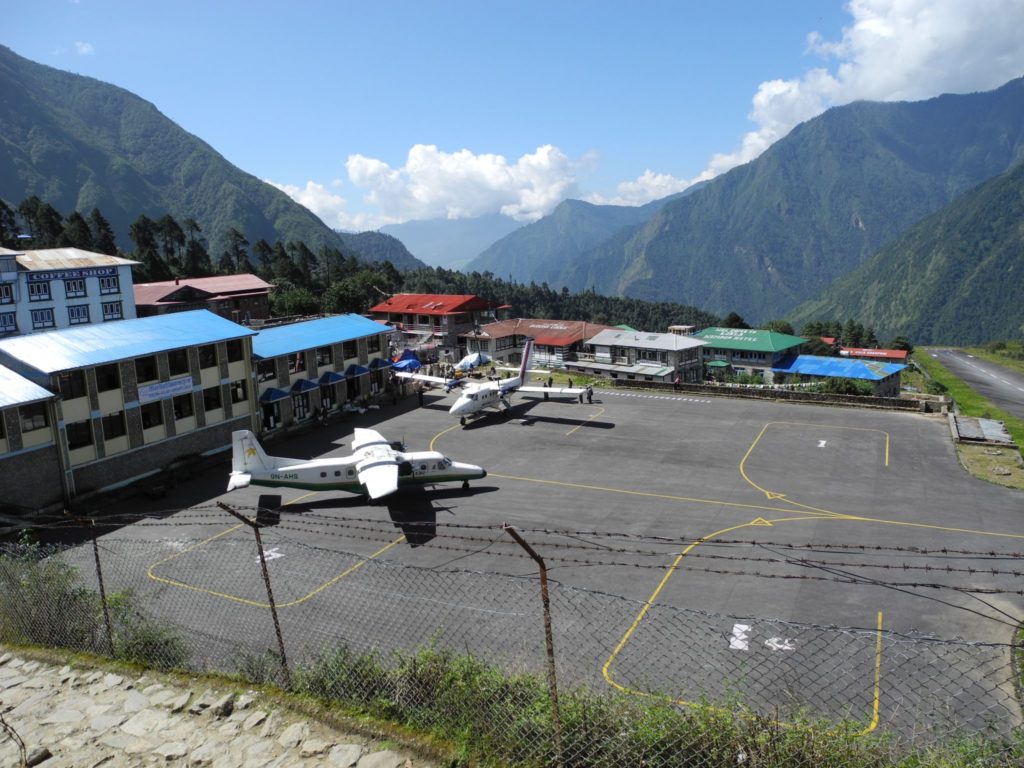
739 637
270 554
821 443
780 644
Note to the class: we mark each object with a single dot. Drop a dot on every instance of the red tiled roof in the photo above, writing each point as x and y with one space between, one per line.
431 304
217 286
883 354
830 340
555 333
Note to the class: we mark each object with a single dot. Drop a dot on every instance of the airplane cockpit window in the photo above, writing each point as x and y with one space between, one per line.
447 462
471 397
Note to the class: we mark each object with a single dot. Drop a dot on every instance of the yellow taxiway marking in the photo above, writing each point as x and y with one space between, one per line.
439 434
876 696
590 418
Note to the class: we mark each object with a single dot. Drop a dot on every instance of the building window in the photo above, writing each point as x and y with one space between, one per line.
177 362
300 405
182 407
42 318
373 344
152 415
108 377
349 350
3 434
8 322
74 289
71 384
6 293
296 362
145 369
208 356
78 314
503 342
236 350
39 291
211 399
33 417
112 310
324 356
239 392
110 284
79 434
113 426
266 370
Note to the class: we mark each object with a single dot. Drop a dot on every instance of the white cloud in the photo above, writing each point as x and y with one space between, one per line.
332 208
436 184
893 50
84 49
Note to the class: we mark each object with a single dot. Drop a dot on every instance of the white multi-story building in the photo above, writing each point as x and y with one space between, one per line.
62 287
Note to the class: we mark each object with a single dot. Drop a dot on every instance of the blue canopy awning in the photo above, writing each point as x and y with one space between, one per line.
331 377
355 370
409 364
380 362
273 395
305 385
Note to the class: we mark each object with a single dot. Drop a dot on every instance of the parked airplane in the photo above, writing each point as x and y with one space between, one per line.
376 467
477 397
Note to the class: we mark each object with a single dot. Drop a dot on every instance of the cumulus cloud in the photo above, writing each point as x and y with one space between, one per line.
894 50
436 184
84 49
332 208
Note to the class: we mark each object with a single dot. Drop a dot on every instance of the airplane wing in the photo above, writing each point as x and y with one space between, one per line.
377 468
238 480
562 391
439 380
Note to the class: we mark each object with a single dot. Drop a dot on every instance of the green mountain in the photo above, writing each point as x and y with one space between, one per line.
957 277
541 251
79 143
777 231
451 243
376 247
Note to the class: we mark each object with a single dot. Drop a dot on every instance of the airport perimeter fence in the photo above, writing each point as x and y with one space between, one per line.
583 678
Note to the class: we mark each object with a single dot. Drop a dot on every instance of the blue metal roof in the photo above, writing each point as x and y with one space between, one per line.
844 367
297 337
101 343
17 390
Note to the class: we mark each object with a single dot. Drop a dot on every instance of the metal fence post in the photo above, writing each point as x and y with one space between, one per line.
103 590
549 641
270 593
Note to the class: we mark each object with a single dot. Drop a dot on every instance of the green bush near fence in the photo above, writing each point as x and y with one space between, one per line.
43 602
496 718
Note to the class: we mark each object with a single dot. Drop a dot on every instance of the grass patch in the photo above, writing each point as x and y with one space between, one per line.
1003 466
969 402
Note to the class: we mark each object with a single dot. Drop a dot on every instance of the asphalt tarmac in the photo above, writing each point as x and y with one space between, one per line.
1002 386
692 543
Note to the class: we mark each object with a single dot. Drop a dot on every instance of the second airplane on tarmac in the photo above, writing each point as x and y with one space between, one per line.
477 397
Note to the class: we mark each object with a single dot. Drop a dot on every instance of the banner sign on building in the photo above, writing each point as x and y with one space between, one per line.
164 389
71 274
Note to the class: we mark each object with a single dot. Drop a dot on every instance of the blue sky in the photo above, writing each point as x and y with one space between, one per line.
373 113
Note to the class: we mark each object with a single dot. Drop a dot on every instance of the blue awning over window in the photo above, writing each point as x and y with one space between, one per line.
305 385
331 377
355 370
273 395
380 362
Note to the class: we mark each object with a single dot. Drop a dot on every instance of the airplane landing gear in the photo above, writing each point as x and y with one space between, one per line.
462 420
465 485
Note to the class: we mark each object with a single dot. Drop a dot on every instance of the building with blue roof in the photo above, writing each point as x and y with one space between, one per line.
135 396
884 377
29 463
312 367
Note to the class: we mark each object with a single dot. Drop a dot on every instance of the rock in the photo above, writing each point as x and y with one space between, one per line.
149 690
172 750
37 756
62 716
270 726
244 701
179 702
5 658
254 719
203 703
224 706
30 666
314 747
203 755
112 681
106 722
385 759
135 702
293 735
345 755
146 722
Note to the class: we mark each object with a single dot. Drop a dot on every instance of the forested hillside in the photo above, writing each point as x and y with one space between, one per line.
77 144
957 277
771 234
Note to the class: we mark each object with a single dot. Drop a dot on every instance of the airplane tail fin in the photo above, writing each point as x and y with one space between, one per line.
247 454
524 369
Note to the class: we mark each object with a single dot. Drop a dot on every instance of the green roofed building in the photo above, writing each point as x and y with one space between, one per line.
746 350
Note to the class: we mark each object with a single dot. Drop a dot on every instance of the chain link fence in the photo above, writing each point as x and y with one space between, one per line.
463 654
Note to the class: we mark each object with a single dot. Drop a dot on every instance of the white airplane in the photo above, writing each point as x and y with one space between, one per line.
476 397
376 467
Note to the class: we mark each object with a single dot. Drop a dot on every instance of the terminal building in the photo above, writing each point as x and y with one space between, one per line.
555 342
131 398
52 288
641 356
240 298
746 350
29 464
325 364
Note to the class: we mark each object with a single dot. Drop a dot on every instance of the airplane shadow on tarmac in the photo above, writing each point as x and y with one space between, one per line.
521 416
412 510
